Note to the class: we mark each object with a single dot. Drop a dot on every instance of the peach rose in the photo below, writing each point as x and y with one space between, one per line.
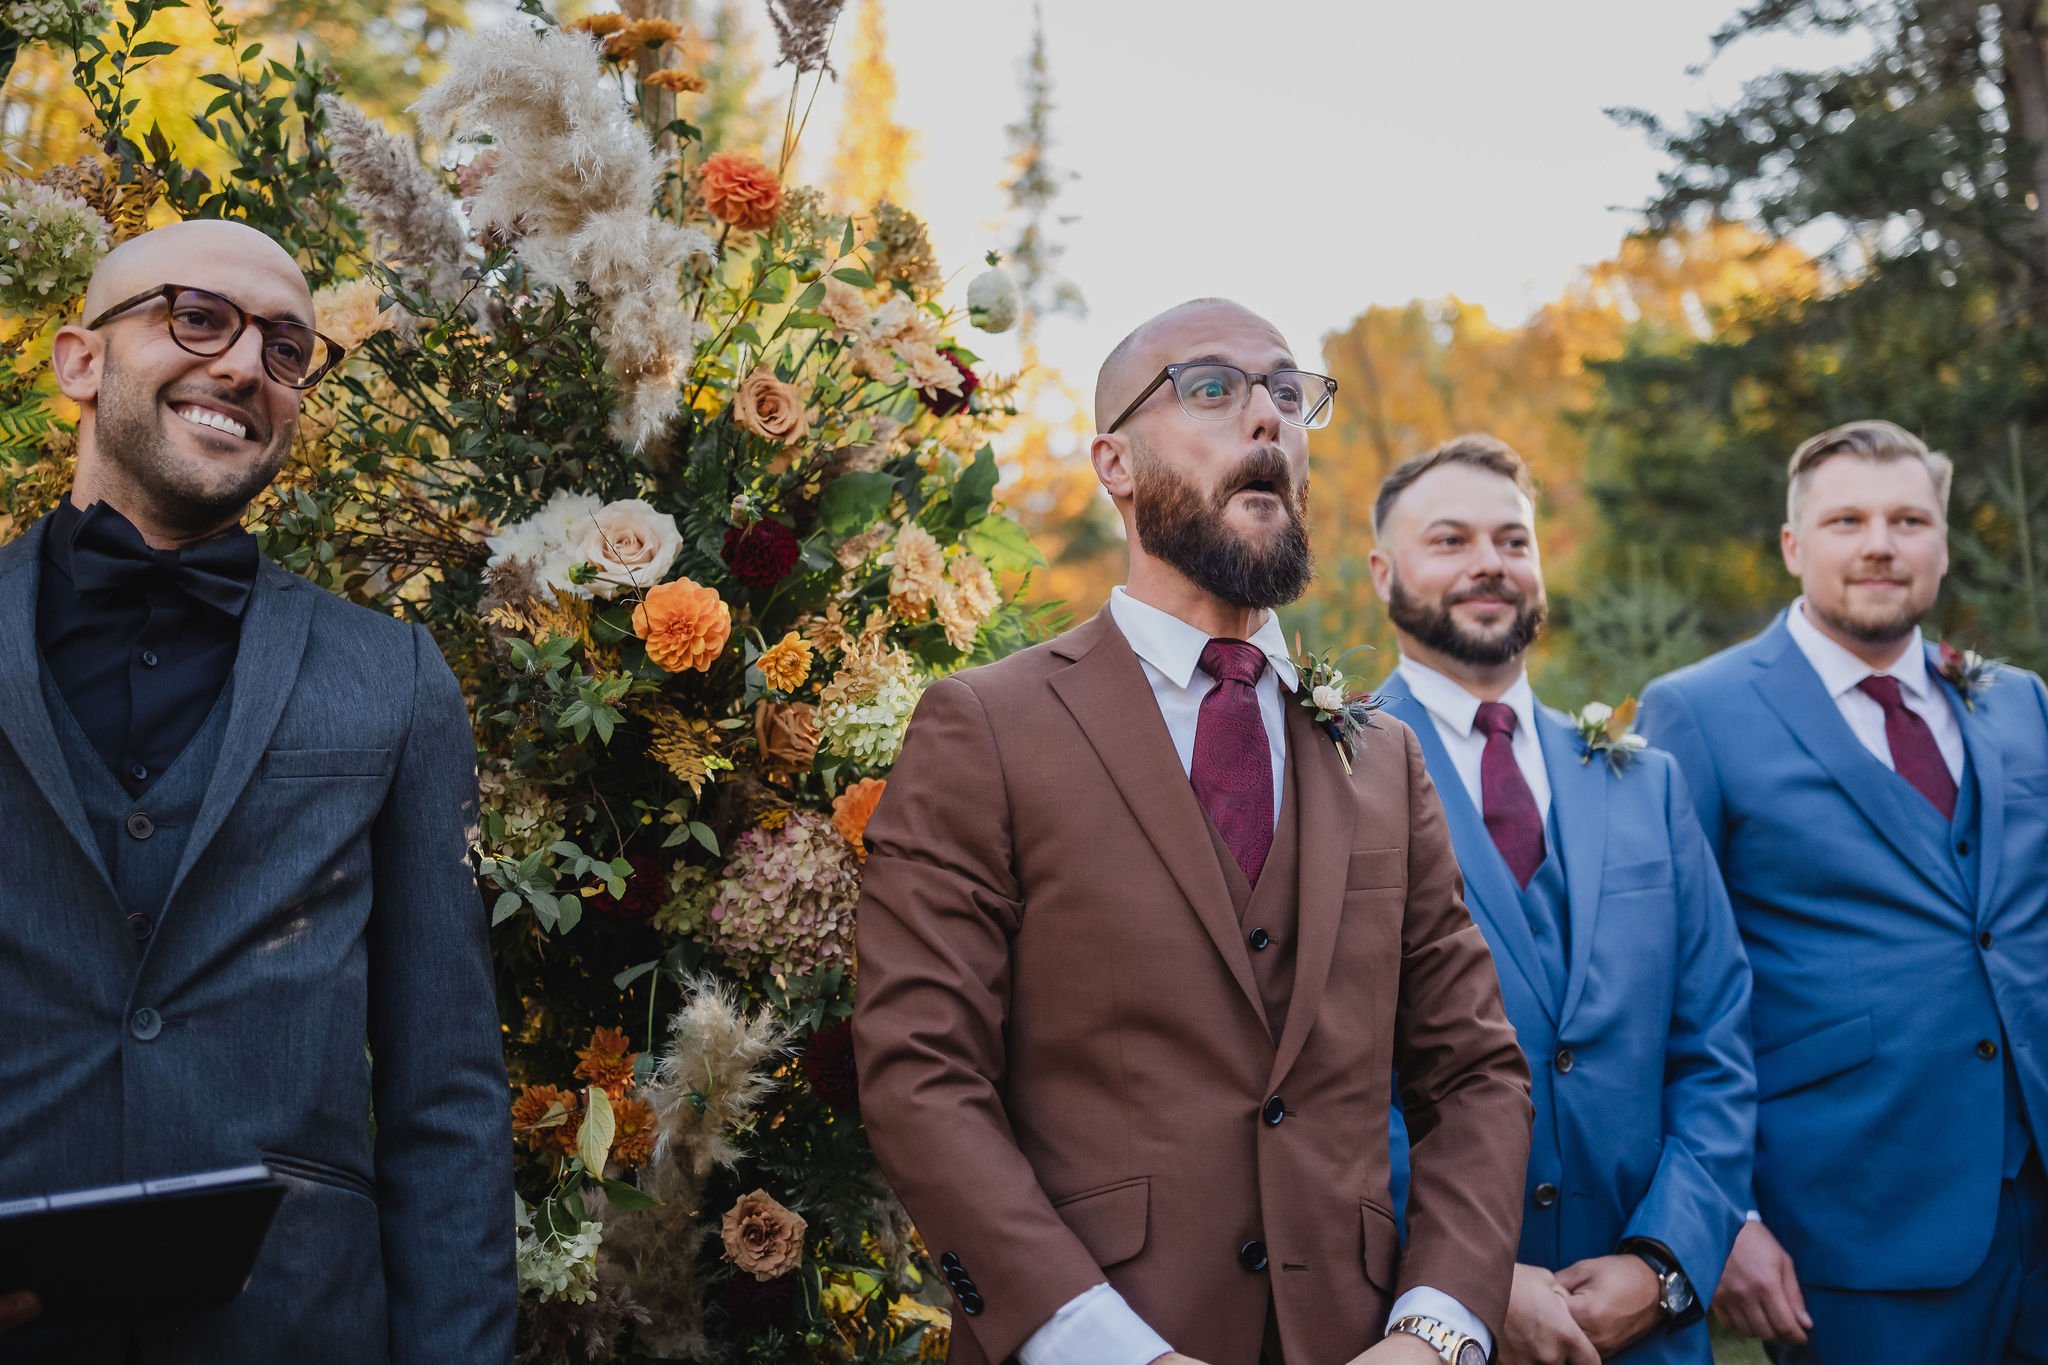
631 544
853 808
762 1237
770 408
740 191
787 732
684 623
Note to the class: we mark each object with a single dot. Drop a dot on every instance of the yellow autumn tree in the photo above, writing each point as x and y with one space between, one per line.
871 162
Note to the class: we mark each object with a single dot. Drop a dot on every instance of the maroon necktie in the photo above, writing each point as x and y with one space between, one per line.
1914 753
1233 767
1510 807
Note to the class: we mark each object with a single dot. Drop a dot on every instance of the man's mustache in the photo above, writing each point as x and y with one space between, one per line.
1487 592
1266 465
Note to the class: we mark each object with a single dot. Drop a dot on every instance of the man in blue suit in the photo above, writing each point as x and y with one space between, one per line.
1882 822
238 918
1618 957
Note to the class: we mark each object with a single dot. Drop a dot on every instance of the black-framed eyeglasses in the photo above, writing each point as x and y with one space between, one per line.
204 323
1211 391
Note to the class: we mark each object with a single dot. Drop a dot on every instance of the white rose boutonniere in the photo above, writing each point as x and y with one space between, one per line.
1609 731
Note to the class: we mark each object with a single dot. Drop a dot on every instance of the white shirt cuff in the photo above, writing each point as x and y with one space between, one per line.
1424 1302
1095 1327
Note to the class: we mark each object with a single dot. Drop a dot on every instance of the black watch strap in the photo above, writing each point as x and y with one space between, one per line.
1675 1294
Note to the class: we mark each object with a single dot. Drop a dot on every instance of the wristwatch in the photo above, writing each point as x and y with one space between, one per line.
1454 1346
1674 1290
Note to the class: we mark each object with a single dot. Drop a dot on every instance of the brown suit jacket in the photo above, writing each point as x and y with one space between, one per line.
1064 1055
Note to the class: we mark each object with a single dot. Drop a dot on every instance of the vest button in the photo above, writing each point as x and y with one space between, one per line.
140 826
146 1023
1987 1049
149 659
1275 1110
1984 939
1252 1255
1261 940
1963 847
139 926
139 772
1546 1195
1565 1061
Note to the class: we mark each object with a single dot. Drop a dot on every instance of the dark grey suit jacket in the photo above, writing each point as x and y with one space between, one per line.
322 954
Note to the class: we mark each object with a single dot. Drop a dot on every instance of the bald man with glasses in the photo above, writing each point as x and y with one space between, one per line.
239 914
1138 946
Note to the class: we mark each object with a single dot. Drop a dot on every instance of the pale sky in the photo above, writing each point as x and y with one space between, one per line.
1308 158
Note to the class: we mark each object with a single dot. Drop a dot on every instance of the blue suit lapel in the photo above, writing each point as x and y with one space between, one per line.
1490 892
1987 767
1790 687
1578 810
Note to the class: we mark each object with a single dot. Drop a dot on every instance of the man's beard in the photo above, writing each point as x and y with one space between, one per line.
1178 526
128 429
1432 624
1888 628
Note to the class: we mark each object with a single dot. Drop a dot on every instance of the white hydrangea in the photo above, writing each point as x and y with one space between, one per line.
53 240
560 1267
549 541
863 716
44 21
992 300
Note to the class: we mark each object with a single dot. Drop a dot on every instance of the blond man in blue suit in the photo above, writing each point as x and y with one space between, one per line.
1618 957
1884 833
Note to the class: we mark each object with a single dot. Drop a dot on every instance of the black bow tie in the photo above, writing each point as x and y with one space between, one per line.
108 555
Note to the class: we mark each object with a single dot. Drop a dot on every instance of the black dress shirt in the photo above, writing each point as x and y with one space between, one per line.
141 668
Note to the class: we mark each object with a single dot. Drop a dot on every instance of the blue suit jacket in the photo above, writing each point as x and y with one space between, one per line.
1877 974
322 950
1647 1130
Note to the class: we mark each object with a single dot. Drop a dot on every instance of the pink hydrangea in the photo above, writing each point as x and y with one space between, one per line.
785 901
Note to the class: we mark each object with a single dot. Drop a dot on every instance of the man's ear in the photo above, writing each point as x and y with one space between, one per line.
1382 566
1111 456
78 357
1788 546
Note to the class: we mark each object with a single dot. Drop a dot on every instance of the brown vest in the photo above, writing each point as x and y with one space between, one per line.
1271 905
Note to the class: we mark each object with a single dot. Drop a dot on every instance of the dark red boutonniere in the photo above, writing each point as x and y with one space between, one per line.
1967 671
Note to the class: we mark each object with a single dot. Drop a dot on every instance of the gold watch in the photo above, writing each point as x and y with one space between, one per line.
1454 1346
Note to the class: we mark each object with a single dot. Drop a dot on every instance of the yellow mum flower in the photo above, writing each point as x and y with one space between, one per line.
786 663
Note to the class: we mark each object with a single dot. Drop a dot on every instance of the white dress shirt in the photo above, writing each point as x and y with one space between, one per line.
1097 1326
1454 711
1840 672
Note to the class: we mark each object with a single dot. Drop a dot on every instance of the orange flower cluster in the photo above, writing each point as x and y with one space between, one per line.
852 809
606 1063
633 1139
684 623
601 25
639 34
675 80
740 191
532 1109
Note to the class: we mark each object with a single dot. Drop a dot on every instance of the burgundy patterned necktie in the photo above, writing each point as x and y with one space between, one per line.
1914 753
1233 767
1509 806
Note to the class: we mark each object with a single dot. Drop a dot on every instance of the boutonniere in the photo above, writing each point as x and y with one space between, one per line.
1968 672
1609 730
1340 712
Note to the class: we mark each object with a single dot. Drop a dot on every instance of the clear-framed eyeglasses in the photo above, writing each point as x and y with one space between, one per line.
1212 391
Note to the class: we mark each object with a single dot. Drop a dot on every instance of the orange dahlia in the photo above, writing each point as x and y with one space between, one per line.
852 808
684 623
633 1139
607 1063
739 190
532 1109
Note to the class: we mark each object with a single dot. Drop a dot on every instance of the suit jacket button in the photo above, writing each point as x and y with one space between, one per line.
971 1304
1252 1255
1546 1195
146 1023
1987 1049
139 926
949 1261
1565 1061
1275 1110
1261 940
140 826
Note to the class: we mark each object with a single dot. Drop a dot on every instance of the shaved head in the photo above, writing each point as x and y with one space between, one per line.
232 259
1155 344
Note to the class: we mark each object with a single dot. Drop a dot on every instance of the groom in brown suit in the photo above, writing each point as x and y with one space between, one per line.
1137 954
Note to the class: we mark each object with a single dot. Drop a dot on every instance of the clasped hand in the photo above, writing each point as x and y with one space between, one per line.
1594 1308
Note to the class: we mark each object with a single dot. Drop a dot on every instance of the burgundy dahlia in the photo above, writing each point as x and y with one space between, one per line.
828 1066
751 1304
761 555
646 888
943 404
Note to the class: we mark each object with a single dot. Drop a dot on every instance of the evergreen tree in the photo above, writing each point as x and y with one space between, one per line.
1034 187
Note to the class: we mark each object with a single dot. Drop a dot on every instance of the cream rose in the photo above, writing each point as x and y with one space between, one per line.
770 408
631 544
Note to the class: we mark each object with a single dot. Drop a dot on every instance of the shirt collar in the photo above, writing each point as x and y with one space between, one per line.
1840 671
1446 698
1174 647
57 537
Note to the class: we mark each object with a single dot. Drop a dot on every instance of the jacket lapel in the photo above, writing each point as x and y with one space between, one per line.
1327 814
24 718
266 667
1987 767
1790 687
1578 809
1490 892
1110 698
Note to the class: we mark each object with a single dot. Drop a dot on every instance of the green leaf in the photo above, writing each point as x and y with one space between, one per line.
571 914
506 908
974 489
632 974
854 502
813 295
628 1198
846 239
594 1138
859 279
701 832
1003 545
156 49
